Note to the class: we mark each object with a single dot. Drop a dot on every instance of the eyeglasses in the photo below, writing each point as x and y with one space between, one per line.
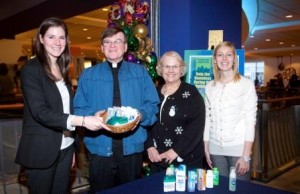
168 67
116 42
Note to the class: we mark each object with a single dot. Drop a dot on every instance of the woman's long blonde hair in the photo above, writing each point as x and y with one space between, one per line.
217 72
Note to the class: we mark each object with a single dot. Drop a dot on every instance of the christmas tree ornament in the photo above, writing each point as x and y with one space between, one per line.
133 16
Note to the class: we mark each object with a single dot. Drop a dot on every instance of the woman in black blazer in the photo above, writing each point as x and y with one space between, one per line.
46 147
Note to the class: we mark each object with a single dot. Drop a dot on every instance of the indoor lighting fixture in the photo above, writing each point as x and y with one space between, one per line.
289 16
88 38
281 42
87 64
85 29
268 40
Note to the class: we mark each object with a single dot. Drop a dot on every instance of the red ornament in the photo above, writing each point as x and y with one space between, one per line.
128 18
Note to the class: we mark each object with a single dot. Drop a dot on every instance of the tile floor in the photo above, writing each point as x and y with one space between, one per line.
289 181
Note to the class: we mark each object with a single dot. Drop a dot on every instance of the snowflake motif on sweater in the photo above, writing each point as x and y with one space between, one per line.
168 142
186 94
179 130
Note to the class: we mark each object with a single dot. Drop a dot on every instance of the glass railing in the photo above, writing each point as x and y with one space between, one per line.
277 142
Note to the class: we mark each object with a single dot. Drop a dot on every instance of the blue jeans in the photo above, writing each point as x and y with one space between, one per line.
225 162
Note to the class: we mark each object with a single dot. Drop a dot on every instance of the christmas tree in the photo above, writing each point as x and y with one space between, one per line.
133 16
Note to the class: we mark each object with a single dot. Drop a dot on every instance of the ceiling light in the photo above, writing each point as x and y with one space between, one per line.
292 45
255 48
88 38
85 29
105 9
268 40
281 42
289 16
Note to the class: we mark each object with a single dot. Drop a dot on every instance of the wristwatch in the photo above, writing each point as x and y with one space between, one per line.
246 159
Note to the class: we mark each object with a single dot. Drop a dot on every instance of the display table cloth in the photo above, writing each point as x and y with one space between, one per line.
154 185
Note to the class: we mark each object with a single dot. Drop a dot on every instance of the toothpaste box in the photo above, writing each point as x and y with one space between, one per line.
169 183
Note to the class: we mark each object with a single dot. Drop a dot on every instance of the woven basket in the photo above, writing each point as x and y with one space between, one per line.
121 128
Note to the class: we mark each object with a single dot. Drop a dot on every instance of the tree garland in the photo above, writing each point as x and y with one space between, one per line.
133 16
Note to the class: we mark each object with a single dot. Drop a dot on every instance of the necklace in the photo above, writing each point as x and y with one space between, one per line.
169 90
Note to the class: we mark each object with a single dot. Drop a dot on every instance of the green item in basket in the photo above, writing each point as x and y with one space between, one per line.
117 120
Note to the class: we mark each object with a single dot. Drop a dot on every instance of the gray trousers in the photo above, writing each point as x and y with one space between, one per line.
225 162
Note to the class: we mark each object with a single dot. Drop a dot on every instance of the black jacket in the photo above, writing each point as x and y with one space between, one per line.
43 118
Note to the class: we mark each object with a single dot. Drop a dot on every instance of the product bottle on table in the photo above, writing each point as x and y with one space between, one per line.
232 179
181 178
216 176
192 180
209 179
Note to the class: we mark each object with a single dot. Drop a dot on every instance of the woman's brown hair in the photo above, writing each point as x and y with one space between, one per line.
63 61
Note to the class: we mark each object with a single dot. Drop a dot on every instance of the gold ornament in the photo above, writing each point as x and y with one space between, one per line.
140 31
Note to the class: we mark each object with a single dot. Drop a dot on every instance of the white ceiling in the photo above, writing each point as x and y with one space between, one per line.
270 23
